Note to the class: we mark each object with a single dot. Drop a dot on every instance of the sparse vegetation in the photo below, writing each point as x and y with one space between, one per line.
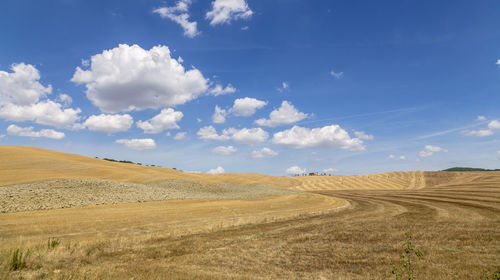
408 258
52 243
18 259
122 161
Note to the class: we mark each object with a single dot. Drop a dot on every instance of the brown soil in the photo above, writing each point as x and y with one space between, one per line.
81 192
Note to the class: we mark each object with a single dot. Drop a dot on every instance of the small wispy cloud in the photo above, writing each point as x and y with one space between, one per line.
338 75
179 14
430 150
284 86
394 157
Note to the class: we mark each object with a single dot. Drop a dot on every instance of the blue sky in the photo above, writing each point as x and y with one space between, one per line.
349 87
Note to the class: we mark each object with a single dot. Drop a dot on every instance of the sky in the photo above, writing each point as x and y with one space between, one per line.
277 87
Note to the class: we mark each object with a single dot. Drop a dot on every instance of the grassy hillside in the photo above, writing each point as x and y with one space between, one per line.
43 165
28 164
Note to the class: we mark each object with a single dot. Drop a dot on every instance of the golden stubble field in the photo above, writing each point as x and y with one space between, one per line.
345 227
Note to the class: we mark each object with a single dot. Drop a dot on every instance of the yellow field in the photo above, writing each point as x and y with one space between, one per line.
27 164
332 227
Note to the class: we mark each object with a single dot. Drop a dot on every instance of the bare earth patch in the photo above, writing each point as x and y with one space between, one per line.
82 192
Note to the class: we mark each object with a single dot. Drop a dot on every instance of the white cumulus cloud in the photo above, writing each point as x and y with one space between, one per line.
429 150
295 170
166 119
480 133
492 127
285 114
44 112
264 152
65 99
219 90
21 86
179 14
224 150
332 136
247 106
248 136
109 123
23 98
218 170
138 144
224 11
210 133
29 132
130 78
219 115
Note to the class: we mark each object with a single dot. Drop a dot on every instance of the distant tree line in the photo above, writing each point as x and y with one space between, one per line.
469 169
124 161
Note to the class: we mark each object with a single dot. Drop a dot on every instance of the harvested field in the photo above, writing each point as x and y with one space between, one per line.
457 226
382 181
82 192
345 227
47 165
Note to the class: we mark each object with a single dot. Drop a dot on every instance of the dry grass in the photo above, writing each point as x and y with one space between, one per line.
44 165
456 225
453 217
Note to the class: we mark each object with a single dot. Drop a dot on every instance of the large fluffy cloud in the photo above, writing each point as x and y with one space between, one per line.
29 132
131 78
166 119
109 123
45 112
24 98
332 136
138 144
21 86
285 114
179 14
224 11
247 106
247 136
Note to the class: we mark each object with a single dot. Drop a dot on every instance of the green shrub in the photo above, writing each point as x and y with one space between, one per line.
18 260
410 254
52 243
